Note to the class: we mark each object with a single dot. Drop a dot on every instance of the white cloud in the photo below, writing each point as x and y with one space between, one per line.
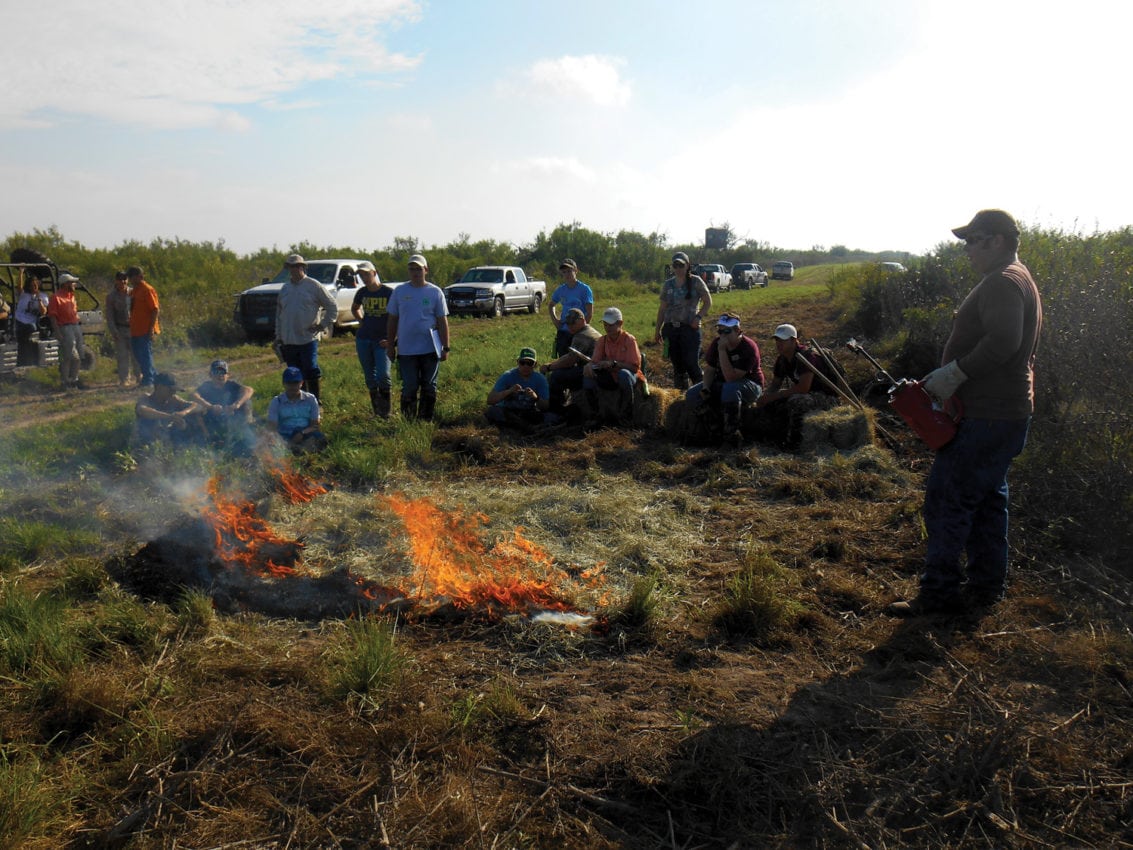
187 64
592 79
552 167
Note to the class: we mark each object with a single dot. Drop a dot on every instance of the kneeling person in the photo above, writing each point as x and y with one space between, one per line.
733 375
163 416
521 396
295 415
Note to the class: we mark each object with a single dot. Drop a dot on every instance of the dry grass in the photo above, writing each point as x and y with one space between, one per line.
801 718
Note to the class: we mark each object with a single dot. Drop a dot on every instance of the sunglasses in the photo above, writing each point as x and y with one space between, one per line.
978 240
725 331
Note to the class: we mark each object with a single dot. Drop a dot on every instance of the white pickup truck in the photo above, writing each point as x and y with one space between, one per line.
255 307
493 291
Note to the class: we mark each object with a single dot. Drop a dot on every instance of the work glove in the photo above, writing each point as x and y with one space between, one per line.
943 382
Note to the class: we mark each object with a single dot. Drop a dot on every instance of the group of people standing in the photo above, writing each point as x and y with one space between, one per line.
131 314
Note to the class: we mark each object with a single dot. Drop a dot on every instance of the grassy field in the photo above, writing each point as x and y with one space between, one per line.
736 687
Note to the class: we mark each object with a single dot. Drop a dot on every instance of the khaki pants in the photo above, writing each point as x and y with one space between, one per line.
124 355
70 353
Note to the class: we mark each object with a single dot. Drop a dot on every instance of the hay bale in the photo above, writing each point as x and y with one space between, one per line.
840 428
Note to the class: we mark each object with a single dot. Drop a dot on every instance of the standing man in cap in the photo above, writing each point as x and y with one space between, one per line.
795 391
227 408
64 316
565 372
371 309
521 396
685 301
571 294
298 323
616 365
418 329
118 325
144 324
989 362
733 375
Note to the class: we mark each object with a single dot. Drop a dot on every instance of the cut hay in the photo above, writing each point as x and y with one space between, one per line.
840 428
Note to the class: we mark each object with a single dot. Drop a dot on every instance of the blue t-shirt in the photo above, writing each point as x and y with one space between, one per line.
375 311
580 295
417 309
290 415
536 381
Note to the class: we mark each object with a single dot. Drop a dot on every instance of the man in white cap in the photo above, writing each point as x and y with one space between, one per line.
616 365
298 322
794 390
418 335
989 362
64 316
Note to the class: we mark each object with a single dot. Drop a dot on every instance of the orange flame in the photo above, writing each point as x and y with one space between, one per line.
452 561
291 485
244 539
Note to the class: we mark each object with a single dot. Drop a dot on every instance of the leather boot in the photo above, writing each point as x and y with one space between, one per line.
374 401
382 407
680 381
313 387
732 424
408 408
625 409
592 407
425 410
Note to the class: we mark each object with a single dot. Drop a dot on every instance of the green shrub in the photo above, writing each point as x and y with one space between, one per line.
35 637
758 599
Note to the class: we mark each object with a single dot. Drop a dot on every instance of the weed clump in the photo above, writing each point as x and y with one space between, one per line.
368 665
759 600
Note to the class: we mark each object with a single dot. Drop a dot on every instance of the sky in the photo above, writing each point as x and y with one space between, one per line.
873 124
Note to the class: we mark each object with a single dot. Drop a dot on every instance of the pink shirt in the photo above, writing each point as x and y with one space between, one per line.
61 307
622 348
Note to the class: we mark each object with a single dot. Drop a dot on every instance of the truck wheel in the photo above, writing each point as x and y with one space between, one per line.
535 304
497 308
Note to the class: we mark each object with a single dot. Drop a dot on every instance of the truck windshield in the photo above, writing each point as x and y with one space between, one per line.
483 276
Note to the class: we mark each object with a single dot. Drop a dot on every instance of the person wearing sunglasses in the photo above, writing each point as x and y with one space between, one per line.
685 301
733 375
989 362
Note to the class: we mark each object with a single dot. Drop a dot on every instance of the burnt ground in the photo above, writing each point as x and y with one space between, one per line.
822 723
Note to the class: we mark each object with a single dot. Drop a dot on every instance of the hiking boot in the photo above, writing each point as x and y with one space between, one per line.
981 597
382 405
923 605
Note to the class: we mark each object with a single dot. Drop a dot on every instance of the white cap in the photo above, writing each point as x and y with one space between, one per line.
786 332
366 266
68 278
418 260
612 316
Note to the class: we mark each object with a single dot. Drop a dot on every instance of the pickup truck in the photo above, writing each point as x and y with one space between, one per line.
782 270
716 278
748 275
493 291
255 307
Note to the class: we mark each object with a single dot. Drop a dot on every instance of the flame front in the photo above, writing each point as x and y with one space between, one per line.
243 538
452 561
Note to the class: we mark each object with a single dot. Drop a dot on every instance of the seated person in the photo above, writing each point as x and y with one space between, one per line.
163 416
521 396
795 389
616 365
227 407
565 373
732 374
295 415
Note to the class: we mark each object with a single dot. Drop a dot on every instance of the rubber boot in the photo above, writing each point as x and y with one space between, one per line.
592 417
382 407
425 410
374 401
732 424
313 387
408 408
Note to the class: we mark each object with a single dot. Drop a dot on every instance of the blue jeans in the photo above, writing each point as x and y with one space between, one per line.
375 363
966 507
684 351
305 358
418 371
626 380
727 393
142 346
